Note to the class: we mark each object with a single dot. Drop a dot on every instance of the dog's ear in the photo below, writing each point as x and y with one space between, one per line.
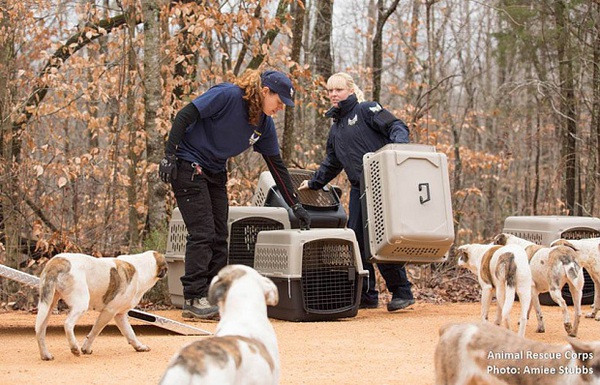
161 265
500 239
217 290
271 292
462 256
585 350
563 242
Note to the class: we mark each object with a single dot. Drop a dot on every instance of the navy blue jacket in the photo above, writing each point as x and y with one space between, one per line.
358 128
223 131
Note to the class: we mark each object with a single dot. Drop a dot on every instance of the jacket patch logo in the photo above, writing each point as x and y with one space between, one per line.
352 122
254 138
376 108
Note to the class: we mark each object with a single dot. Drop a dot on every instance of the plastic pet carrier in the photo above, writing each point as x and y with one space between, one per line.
545 229
323 205
407 204
318 272
175 256
244 224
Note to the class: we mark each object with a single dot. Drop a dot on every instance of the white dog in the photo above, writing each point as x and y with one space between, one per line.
551 268
485 354
111 286
244 348
505 270
588 255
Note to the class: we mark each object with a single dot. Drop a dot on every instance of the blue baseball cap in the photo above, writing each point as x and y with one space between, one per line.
279 83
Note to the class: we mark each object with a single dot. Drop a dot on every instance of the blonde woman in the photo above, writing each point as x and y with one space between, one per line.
360 127
219 124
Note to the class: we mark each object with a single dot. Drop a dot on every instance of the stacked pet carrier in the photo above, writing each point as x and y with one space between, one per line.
244 224
545 229
324 206
408 204
318 272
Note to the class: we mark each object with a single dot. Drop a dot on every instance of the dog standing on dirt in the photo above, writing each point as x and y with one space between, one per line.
551 268
485 354
505 270
588 255
111 286
244 348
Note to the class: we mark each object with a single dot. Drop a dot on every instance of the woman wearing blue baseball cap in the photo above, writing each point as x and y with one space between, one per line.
219 124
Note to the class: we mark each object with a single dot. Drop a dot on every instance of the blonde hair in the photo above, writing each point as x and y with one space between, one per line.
345 81
250 83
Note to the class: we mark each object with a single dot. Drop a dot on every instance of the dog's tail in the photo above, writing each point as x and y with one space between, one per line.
49 278
506 269
568 257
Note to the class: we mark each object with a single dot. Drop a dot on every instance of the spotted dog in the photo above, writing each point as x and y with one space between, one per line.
111 286
503 270
244 348
551 268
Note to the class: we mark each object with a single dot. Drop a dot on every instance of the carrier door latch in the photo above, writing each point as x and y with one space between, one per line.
428 195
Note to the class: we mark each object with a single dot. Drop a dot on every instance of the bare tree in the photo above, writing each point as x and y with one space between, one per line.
382 17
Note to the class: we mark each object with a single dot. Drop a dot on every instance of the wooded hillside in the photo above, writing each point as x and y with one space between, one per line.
509 90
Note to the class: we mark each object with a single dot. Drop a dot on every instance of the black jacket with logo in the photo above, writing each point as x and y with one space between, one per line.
358 128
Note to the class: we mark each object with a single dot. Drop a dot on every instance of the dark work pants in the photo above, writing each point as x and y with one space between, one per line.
202 201
394 274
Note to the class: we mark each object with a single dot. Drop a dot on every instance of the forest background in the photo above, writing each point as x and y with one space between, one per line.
509 90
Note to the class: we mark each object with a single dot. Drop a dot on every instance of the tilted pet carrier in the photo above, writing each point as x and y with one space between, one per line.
175 257
323 205
244 224
318 272
407 204
544 229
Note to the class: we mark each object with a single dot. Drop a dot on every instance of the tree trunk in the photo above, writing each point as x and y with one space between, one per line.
382 17
592 183
567 107
322 58
157 190
288 133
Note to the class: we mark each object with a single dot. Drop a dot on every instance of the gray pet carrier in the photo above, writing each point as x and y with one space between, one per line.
544 229
318 272
244 224
407 204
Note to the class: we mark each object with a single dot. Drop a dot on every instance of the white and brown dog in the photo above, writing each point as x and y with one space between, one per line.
503 270
111 286
551 268
244 348
588 255
485 354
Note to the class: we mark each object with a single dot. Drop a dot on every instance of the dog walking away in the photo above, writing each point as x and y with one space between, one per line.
244 348
551 268
485 354
111 286
503 270
588 255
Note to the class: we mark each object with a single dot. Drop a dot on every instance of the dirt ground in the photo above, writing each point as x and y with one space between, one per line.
374 347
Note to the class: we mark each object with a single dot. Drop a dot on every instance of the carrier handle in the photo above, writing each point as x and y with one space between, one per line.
426 185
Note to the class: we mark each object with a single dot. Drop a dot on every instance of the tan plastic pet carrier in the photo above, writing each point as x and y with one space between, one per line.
544 229
244 224
318 272
175 257
408 204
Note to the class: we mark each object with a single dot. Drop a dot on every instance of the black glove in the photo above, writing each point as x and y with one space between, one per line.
302 215
167 170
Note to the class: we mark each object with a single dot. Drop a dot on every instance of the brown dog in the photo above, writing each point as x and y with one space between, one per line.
111 286
485 354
